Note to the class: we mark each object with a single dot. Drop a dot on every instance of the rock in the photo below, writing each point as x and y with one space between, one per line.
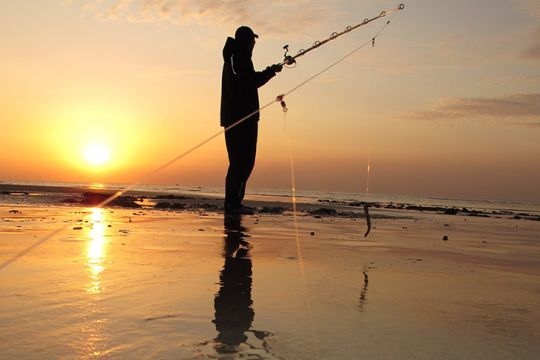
162 205
178 206
94 199
70 201
312 233
15 193
445 238
125 201
272 210
77 228
324 212
173 197
90 198
15 212
213 207
451 211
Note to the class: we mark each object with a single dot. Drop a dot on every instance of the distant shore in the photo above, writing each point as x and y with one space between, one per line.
194 201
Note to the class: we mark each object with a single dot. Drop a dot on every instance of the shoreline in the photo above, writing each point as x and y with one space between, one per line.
18 194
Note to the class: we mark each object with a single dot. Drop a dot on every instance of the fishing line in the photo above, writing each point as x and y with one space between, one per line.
280 99
301 264
39 242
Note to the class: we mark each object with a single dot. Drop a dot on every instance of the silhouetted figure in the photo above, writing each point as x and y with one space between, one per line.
233 305
239 98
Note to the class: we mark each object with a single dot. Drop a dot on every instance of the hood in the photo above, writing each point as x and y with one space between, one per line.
228 49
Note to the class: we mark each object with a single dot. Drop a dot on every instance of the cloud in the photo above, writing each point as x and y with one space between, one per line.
531 7
270 17
530 124
533 52
522 107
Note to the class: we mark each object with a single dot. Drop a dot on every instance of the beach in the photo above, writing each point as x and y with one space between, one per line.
188 282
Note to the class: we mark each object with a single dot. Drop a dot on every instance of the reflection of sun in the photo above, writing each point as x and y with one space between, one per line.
95 251
97 154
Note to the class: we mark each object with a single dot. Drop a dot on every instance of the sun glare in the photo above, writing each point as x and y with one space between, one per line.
97 154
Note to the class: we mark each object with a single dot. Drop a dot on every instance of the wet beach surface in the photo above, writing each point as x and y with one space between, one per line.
147 283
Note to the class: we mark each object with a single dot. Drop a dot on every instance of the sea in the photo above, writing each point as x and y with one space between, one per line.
57 189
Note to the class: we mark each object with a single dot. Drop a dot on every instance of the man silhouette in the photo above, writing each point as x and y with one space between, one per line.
239 98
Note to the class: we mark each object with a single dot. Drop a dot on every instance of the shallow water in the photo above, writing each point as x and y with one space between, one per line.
151 284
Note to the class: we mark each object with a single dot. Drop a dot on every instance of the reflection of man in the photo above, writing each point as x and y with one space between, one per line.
233 305
239 98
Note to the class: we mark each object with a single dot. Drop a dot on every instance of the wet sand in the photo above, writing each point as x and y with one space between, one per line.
139 283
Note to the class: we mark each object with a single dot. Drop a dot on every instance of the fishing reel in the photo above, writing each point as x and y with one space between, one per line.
288 59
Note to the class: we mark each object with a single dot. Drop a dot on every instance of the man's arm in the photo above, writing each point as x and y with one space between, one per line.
262 77
245 71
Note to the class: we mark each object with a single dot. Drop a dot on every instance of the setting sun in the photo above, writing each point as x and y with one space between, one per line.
97 154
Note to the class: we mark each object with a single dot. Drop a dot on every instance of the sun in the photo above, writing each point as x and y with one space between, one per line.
97 154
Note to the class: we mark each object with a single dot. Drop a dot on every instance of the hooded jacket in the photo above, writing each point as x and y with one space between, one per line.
239 83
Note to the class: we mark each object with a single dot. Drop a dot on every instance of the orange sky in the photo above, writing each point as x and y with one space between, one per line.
447 100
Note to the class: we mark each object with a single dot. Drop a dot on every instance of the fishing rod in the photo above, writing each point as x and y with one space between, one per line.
291 60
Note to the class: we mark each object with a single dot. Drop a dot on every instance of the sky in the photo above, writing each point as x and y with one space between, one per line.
447 102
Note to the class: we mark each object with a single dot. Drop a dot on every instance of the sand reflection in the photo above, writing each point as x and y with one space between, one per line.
92 311
96 250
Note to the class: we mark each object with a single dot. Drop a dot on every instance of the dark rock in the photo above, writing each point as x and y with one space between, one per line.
173 197
70 201
77 228
125 201
272 210
178 206
90 198
451 211
478 213
94 199
162 205
445 237
18 193
324 212
213 207
312 233
15 212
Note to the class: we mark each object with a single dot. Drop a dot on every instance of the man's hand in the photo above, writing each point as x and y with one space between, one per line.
276 67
